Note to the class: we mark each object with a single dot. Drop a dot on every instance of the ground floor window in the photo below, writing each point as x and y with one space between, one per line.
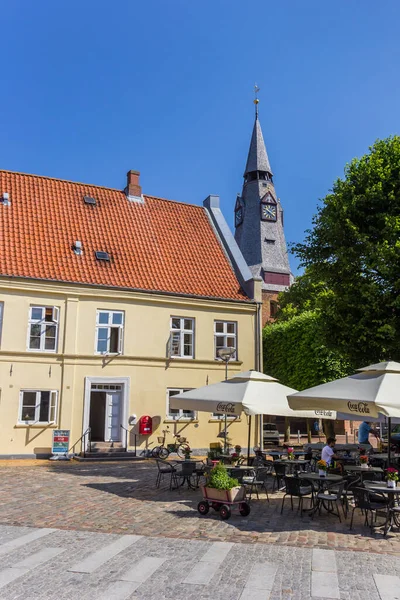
178 413
38 406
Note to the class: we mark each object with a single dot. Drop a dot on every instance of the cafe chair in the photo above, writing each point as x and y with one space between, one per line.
332 495
166 469
296 487
363 501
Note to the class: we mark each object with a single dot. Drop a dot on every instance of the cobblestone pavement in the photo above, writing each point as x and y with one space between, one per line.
121 498
51 564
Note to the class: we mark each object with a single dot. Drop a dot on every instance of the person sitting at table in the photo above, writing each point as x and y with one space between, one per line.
328 452
363 434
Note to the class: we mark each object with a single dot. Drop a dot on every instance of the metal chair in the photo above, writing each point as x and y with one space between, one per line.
280 471
165 468
258 480
300 488
363 502
332 495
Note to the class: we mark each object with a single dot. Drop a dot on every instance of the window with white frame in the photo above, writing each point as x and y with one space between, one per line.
109 331
38 406
178 413
182 337
43 328
225 336
1 318
222 416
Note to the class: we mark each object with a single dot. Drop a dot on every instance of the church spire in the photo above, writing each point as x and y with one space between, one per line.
257 159
259 219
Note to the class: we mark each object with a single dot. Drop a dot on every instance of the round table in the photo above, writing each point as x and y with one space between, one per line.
391 492
294 465
321 481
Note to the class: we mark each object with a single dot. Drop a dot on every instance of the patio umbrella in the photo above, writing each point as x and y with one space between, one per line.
251 392
370 392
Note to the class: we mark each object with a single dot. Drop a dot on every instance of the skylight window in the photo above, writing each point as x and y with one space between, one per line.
100 255
89 200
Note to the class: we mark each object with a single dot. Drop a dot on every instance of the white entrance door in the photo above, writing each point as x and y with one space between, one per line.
113 416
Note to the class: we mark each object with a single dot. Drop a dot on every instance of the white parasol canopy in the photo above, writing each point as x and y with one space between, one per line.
369 392
251 391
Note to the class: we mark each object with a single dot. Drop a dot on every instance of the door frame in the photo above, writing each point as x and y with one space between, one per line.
125 395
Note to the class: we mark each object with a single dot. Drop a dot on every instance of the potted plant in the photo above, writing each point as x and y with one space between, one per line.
322 468
392 477
187 453
364 461
236 456
221 487
290 452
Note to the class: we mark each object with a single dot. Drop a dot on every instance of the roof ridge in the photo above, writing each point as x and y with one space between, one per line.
61 180
176 201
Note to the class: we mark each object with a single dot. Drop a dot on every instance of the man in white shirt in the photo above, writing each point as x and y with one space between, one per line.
327 451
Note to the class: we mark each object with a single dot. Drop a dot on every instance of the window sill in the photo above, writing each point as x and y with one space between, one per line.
180 420
37 425
229 420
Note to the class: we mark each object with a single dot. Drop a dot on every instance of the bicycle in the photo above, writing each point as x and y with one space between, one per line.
180 446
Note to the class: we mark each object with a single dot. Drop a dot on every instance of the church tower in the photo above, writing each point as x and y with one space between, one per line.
259 224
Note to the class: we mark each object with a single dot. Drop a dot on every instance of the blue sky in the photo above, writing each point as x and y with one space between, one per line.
90 89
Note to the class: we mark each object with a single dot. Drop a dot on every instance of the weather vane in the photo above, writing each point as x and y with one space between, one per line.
256 100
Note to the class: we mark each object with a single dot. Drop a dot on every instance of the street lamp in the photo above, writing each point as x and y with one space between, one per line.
225 354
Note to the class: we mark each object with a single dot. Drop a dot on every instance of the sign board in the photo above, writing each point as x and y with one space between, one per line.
60 441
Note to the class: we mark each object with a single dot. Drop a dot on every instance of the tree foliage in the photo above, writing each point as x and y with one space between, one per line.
296 353
352 260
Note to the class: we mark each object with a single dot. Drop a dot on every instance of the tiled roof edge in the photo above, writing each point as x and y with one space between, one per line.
247 300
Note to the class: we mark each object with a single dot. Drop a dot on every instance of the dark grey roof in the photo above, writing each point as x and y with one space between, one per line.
257 159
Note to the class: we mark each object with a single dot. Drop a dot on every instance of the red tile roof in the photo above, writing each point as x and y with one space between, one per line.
161 245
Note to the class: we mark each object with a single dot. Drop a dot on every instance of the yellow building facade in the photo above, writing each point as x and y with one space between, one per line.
84 355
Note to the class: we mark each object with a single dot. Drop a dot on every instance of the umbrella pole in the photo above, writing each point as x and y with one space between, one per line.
248 442
389 432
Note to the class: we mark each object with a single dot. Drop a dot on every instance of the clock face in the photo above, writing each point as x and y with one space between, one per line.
238 216
268 212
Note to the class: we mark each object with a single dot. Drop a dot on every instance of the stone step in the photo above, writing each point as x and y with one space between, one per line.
110 456
107 449
106 445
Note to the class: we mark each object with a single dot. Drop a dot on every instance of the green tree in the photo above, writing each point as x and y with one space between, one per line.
352 260
296 353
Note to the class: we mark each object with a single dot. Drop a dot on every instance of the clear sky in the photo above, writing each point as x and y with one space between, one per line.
90 89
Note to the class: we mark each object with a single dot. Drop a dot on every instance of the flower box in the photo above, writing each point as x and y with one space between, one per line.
236 494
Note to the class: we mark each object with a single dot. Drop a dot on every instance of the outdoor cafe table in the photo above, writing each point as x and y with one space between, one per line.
280 453
322 483
360 469
294 465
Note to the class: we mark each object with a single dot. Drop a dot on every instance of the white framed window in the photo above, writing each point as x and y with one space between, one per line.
43 328
225 336
182 337
37 406
221 416
109 331
179 413
1 318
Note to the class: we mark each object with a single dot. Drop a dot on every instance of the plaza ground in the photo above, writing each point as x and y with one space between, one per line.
114 535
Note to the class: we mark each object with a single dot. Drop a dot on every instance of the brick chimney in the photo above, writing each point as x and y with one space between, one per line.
133 187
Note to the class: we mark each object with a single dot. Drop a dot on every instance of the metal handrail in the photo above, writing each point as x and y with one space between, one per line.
83 436
126 437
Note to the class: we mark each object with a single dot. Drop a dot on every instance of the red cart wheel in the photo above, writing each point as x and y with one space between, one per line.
203 507
244 509
224 512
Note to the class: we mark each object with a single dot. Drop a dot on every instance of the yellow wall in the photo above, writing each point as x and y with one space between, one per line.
144 362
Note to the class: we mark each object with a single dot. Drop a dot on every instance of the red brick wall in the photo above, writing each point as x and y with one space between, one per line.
267 298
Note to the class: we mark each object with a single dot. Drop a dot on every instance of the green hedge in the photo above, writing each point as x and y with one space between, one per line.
295 352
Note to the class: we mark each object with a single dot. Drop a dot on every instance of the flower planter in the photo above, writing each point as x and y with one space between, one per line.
391 484
321 473
236 494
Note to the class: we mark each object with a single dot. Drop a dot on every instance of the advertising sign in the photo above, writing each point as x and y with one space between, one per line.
60 441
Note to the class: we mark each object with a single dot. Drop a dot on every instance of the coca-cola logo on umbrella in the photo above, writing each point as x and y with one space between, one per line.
359 407
225 407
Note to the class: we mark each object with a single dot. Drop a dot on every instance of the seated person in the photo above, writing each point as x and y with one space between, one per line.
328 453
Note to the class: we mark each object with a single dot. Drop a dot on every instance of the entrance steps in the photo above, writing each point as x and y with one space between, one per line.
102 451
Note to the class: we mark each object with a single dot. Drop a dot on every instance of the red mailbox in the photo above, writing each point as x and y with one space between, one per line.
145 425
